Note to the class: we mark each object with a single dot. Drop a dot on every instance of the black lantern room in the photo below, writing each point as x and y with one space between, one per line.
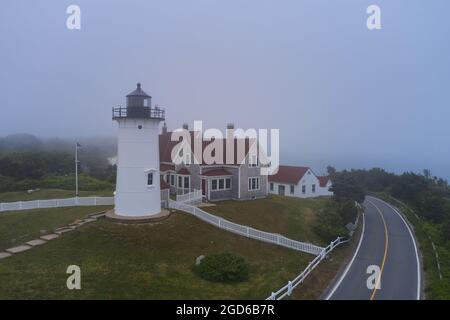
139 106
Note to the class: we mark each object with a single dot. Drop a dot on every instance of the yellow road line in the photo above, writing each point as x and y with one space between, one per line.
386 243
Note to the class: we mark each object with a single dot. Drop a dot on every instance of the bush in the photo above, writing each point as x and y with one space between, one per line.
347 210
329 224
224 267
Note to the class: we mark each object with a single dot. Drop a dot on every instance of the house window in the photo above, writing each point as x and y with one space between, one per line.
221 184
186 182
167 178
253 184
172 180
303 189
313 188
150 179
292 188
271 186
228 183
180 182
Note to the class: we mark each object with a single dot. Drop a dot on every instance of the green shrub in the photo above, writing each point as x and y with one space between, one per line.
329 223
347 210
224 267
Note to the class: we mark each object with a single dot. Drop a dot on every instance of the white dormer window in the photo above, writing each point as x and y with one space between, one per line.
253 161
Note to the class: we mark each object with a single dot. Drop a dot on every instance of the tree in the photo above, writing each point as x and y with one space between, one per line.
346 187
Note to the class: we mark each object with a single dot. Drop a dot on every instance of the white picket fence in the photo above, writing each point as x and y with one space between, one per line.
246 231
191 197
56 203
291 285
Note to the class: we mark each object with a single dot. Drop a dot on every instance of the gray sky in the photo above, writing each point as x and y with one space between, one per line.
339 93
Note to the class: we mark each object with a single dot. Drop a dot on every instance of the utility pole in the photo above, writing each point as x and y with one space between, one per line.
77 145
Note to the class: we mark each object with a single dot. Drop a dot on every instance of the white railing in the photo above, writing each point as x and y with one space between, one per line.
56 203
246 231
191 197
291 285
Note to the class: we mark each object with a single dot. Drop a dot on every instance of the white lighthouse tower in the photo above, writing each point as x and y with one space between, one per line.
137 186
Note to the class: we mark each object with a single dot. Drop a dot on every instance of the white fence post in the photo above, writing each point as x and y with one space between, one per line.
289 292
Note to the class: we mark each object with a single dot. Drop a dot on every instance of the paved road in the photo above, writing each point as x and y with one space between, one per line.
387 242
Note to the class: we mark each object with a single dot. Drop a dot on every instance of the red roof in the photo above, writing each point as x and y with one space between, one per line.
163 185
166 145
166 167
323 180
183 171
216 172
288 174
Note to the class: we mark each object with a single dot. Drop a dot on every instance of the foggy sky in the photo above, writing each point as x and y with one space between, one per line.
339 93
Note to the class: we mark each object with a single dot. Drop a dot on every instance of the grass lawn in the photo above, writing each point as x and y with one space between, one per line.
17 227
150 261
48 194
154 261
291 217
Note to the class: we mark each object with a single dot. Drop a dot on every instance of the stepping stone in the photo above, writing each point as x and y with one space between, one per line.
95 216
36 242
18 249
4 255
63 230
49 237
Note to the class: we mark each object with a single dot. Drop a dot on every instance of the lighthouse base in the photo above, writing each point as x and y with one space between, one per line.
164 214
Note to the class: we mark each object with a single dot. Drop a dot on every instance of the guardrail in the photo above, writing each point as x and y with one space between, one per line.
291 285
246 231
138 112
56 203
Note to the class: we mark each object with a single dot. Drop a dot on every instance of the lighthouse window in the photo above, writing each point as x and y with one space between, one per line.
150 179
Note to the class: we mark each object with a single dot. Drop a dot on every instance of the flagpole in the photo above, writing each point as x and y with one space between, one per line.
76 169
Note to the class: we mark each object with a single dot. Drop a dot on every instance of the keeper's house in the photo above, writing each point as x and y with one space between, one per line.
231 181
299 182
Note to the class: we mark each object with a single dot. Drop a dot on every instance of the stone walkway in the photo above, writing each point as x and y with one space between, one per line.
48 237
